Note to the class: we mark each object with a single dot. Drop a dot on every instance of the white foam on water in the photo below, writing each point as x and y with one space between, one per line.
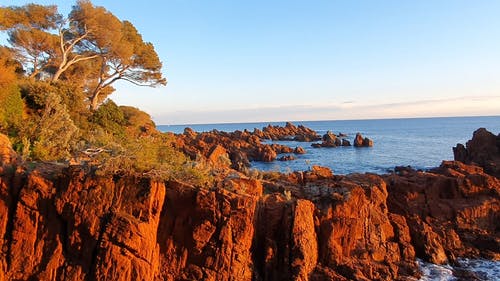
484 270
434 272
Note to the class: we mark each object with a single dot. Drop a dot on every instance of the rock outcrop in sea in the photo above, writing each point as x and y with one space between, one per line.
67 223
483 149
239 148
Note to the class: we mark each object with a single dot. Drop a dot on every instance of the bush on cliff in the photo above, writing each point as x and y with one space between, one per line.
35 94
110 118
11 109
51 133
138 122
11 104
153 156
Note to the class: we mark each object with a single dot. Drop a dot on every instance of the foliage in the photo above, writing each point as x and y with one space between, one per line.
110 117
30 15
55 78
11 104
153 156
7 67
35 94
138 121
130 59
51 133
11 108
91 40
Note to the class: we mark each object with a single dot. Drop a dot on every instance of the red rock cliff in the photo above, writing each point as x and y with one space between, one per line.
68 224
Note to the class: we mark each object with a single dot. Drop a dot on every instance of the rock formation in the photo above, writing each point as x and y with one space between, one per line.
452 211
359 141
67 223
483 149
332 140
243 147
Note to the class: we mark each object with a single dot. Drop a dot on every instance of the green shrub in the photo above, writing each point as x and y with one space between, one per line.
137 120
35 95
11 109
52 133
110 118
154 156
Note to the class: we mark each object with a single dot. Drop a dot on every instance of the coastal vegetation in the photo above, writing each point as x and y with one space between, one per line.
56 75
91 190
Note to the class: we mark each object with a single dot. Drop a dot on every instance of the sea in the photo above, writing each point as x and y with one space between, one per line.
421 143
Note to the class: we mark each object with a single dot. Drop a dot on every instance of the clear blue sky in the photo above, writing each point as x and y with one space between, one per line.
239 61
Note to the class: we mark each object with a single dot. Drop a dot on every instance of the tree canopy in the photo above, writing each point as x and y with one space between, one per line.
90 41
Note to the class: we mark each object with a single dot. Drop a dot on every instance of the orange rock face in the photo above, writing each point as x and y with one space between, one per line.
483 149
74 225
452 211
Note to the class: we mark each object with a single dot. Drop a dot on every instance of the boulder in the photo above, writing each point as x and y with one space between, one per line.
265 154
190 133
346 142
320 172
219 157
483 149
359 141
299 150
367 142
286 158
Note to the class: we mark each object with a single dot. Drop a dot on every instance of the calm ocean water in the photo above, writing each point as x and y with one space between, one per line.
419 142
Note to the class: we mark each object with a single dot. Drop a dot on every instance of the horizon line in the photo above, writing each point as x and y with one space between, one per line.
330 120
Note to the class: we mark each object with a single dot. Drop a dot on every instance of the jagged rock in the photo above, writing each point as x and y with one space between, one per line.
279 149
219 157
75 225
239 160
290 131
265 153
442 208
483 149
329 138
190 133
367 142
299 150
286 158
359 141
318 172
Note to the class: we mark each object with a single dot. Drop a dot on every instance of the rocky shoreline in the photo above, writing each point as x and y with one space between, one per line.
241 147
70 224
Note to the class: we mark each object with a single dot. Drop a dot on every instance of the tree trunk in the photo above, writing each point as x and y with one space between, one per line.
94 101
57 74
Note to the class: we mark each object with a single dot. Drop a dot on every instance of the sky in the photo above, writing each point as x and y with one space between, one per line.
257 61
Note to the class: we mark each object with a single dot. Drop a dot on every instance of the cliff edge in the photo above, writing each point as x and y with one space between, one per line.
66 223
